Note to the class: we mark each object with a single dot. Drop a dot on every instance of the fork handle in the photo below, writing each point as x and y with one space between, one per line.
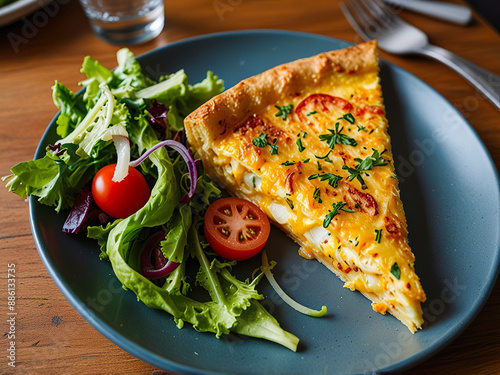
455 13
483 80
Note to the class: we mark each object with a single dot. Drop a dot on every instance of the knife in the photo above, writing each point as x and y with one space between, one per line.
446 11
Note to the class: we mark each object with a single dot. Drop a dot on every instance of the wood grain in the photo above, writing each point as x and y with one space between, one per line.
51 337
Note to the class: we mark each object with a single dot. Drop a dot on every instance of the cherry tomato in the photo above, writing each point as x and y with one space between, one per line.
235 228
324 103
120 199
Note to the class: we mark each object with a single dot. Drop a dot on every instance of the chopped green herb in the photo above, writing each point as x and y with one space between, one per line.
396 271
378 235
336 207
288 163
333 179
319 166
253 182
302 134
300 145
316 195
336 137
306 160
290 203
362 128
374 160
348 117
323 157
371 131
273 148
377 159
311 113
284 111
260 141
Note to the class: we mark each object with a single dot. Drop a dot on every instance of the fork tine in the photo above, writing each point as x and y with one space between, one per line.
349 8
370 18
382 15
377 8
360 10
352 21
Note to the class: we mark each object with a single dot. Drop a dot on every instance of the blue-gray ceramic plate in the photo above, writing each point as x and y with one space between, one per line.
450 191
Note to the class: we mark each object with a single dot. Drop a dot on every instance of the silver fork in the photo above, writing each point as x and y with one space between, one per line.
374 20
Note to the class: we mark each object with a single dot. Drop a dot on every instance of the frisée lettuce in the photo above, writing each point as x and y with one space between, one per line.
148 112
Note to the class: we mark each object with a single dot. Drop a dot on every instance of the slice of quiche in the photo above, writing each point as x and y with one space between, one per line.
307 142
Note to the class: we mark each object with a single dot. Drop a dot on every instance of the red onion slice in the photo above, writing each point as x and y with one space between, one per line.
149 269
186 155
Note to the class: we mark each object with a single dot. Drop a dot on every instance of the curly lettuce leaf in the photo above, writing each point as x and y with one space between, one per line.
57 179
129 72
175 92
71 107
94 70
230 298
177 237
233 306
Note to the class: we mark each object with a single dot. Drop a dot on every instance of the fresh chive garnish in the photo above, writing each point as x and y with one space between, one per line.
300 145
336 207
283 111
316 195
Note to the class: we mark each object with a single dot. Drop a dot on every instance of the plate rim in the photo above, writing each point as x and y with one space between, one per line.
173 365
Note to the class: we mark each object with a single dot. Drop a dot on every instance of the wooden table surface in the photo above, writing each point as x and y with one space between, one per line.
51 337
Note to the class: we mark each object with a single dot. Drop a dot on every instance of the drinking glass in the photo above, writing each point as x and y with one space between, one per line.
125 21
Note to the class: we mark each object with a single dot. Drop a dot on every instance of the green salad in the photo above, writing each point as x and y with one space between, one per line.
126 119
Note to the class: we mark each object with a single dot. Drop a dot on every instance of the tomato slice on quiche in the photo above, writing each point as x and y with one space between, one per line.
307 142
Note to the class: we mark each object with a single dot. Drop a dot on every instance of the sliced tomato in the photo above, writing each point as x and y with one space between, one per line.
120 199
323 103
235 228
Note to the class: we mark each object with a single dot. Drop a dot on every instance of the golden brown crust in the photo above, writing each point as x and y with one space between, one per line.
225 111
